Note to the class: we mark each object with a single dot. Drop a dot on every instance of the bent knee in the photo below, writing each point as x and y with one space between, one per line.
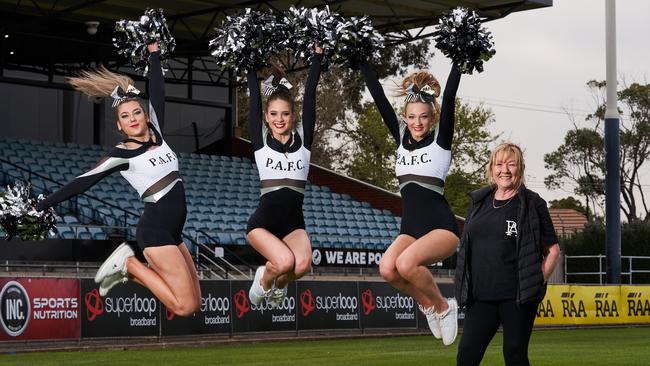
387 270
284 264
405 266
302 267
186 308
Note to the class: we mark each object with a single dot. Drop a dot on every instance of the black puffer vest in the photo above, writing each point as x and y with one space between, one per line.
531 286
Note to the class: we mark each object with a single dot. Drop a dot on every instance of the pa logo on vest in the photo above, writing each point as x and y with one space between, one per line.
511 228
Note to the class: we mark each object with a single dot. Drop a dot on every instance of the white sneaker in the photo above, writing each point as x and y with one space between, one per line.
432 319
277 296
256 294
449 322
110 281
116 263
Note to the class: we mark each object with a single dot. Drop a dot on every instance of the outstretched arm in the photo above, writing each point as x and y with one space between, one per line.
156 88
309 99
384 106
448 110
255 111
105 167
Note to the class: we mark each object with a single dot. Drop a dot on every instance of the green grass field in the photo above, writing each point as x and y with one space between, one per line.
624 346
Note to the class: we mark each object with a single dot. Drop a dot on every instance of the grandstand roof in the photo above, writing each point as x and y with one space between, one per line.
45 33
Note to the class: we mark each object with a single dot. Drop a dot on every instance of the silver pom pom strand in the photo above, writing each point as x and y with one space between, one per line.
247 39
461 37
132 37
19 216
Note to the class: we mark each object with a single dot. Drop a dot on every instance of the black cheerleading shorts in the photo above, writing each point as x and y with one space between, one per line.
424 210
162 222
279 212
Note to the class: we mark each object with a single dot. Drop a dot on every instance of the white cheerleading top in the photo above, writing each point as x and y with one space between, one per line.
283 170
152 169
427 166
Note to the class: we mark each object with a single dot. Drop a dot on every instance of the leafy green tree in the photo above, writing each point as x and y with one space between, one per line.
571 203
373 157
470 154
580 161
338 98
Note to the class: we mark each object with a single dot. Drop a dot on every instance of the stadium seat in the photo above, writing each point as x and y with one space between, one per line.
222 192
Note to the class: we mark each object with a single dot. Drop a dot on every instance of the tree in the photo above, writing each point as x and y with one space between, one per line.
580 160
373 156
339 97
350 136
570 203
470 154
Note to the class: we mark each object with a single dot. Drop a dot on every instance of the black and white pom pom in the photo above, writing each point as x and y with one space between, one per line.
309 26
132 37
19 217
356 39
461 37
247 39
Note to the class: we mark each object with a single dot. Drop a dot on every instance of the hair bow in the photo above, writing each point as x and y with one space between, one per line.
425 95
271 85
119 95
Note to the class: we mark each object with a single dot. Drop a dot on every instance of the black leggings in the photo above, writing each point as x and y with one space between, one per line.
482 320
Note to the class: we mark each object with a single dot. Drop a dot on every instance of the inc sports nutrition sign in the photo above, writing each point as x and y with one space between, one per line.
39 308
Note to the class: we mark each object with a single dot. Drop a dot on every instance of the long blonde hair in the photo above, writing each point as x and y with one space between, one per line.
422 79
100 83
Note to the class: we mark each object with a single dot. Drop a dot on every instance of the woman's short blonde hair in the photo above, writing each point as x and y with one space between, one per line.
505 149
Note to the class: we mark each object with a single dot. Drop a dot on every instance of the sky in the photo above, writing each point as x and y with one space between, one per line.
543 61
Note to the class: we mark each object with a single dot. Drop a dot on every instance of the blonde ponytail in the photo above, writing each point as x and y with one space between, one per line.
100 83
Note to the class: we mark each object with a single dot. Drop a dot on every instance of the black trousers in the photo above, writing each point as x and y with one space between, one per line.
482 320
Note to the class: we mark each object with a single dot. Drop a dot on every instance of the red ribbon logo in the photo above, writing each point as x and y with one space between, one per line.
306 302
169 314
94 304
368 302
241 303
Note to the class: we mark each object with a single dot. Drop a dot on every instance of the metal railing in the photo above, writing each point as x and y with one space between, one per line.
76 205
125 214
206 253
629 269
47 269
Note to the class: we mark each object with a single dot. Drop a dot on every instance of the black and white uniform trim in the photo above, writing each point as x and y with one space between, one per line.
152 169
421 166
283 168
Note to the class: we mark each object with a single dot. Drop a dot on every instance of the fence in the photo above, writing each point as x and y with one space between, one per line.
590 269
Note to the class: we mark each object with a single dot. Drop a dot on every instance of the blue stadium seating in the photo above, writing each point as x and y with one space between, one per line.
222 192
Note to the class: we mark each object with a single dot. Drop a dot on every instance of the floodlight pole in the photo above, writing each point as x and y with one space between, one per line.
612 154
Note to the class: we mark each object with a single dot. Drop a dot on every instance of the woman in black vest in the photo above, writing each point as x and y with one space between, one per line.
507 252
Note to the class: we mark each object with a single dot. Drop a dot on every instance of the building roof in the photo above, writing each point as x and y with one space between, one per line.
567 221
46 32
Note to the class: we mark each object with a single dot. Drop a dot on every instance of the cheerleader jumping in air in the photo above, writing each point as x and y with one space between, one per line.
146 161
428 232
282 152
